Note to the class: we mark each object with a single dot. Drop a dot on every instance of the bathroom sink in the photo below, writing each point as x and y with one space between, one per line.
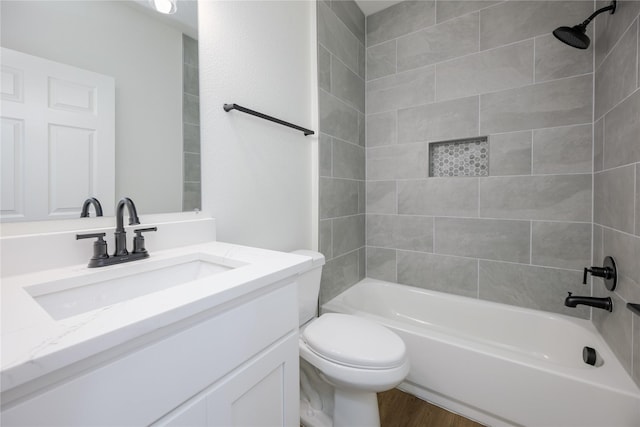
83 293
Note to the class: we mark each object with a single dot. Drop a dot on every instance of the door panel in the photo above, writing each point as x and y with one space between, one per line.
66 140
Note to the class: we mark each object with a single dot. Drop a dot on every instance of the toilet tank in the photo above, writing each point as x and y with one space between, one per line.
309 286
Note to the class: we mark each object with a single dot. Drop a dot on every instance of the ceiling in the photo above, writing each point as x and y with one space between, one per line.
369 7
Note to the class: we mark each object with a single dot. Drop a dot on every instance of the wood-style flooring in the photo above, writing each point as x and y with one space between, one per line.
399 409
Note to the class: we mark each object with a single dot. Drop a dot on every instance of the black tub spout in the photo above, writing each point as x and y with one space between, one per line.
603 303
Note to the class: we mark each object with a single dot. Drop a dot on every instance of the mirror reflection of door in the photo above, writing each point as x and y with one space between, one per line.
153 59
58 138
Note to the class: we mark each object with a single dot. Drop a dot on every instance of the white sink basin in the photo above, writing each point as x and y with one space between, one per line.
101 288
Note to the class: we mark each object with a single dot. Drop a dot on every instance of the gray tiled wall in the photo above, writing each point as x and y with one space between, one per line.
564 133
616 206
442 70
191 194
341 57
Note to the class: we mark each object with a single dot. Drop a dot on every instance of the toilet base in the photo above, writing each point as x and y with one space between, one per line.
355 408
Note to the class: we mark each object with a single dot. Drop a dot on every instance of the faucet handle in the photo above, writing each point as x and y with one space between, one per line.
99 247
608 272
91 236
138 240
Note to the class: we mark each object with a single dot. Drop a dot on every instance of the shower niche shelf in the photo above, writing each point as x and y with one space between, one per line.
460 157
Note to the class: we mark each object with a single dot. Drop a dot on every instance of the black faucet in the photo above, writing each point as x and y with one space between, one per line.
101 258
603 303
121 235
85 207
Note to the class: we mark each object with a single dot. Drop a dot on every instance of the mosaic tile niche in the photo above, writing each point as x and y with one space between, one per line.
461 157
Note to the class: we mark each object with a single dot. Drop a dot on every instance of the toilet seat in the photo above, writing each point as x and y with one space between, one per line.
353 341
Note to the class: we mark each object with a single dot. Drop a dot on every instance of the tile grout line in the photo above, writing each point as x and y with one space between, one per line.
345 26
466 55
555 221
531 242
442 101
533 65
397 116
624 33
478 186
444 61
341 101
395 264
635 198
494 176
615 168
480 117
396 206
489 134
633 358
433 233
435 12
332 54
607 227
349 142
593 175
435 23
413 251
395 256
478 278
341 217
532 154
479 31
395 61
331 154
435 83
633 92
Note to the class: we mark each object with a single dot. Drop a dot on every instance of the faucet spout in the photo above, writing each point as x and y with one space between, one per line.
133 213
603 303
85 207
120 234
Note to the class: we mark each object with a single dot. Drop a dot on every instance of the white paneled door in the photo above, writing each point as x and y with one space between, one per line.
58 138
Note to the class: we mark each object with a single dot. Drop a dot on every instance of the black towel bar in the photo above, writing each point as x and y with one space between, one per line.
229 107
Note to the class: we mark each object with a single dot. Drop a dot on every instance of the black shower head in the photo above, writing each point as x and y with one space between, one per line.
576 36
573 36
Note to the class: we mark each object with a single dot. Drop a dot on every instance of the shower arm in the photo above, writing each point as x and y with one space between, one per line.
611 7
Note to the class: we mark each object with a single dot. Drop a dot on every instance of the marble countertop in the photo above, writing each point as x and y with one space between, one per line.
34 344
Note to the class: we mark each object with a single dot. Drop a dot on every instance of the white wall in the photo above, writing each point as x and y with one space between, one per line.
257 177
145 58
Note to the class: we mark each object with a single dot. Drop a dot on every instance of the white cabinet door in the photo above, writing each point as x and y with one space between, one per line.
263 392
58 138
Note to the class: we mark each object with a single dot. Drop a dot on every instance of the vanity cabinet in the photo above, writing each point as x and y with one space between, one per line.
230 365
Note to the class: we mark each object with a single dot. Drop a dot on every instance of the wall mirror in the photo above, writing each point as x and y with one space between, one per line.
152 61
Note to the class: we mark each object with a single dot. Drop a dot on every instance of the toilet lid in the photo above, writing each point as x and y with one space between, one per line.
354 341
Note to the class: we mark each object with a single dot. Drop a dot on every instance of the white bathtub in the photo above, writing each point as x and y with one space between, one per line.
498 364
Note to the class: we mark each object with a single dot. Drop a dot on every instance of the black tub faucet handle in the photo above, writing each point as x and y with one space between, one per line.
608 272
595 271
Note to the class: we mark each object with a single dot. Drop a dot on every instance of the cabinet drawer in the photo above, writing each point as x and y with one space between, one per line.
139 387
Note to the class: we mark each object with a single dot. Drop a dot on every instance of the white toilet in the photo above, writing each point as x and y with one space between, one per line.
345 360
